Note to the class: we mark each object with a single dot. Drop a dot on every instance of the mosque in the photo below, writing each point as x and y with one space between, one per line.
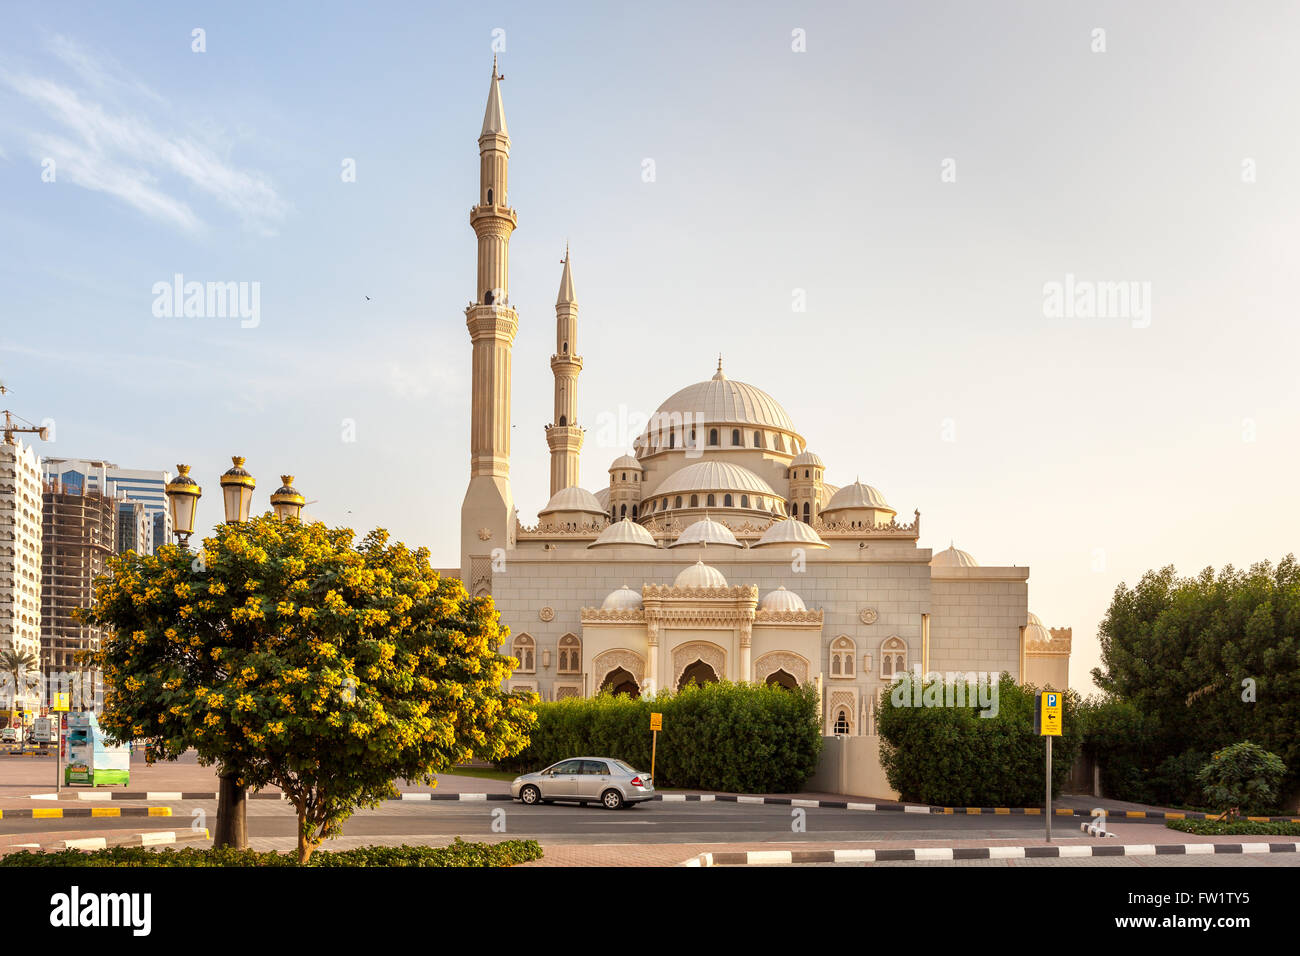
718 550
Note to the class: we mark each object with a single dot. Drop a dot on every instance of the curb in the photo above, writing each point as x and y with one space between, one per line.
703 798
59 813
923 854
155 838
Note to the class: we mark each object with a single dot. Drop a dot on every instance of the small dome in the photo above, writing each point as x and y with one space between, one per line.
954 558
624 599
713 476
806 457
626 461
790 531
781 600
858 495
573 498
602 497
707 531
700 575
1035 633
624 532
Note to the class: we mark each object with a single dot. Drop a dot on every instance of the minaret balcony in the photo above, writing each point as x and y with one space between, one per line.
484 212
567 363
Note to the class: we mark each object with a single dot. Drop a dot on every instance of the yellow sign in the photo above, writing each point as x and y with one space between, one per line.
61 700
656 721
1052 714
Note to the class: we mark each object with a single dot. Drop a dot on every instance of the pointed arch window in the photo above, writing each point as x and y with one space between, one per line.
711 502
677 502
489 202
807 519
570 654
843 652
634 512
744 501
713 436
843 724
524 651
893 658
695 501
735 436
726 501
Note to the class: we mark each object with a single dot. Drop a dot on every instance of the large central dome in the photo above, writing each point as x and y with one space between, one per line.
721 401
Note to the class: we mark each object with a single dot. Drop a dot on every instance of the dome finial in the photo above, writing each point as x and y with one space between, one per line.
718 376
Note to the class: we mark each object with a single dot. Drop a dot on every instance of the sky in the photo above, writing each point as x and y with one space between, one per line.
868 209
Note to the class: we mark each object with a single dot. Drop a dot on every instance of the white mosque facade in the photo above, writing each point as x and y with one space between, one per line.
717 550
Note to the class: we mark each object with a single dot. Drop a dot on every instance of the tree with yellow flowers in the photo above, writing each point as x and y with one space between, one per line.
288 655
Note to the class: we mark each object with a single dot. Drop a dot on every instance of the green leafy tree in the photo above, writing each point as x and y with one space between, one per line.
1243 778
1208 661
286 655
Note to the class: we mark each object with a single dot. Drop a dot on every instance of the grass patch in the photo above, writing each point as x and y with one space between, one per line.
460 853
1233 828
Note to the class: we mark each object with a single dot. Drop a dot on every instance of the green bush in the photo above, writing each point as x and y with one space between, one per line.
1244 776
737 738
1234 827
1139 760
952 756
507 853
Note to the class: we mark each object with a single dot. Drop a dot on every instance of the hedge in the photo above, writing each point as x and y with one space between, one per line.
1234 827
736 738
952 756
459 853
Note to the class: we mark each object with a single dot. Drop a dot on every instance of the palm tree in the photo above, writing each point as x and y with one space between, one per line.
17 664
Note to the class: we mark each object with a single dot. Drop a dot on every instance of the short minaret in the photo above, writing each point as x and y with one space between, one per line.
563 434
487 517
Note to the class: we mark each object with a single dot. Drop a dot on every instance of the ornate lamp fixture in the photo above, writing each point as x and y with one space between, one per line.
237 488
287 502
183 494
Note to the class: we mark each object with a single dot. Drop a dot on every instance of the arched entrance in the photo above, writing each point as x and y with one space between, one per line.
621 681
699 672
780 678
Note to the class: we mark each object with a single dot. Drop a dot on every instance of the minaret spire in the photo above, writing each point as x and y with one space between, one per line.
487 516
563 435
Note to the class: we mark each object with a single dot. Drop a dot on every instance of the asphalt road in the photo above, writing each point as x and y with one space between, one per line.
653 822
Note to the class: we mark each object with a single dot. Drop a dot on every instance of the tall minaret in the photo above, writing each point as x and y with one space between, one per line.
487 520
563 435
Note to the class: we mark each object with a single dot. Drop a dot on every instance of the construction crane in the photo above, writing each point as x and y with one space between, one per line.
12 428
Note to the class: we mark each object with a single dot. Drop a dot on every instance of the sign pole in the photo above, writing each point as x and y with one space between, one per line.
654 744
1049 789
58 754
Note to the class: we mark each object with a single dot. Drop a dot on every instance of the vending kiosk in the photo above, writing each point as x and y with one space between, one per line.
91 758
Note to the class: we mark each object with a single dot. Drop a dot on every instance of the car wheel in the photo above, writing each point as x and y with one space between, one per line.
530 795
612 799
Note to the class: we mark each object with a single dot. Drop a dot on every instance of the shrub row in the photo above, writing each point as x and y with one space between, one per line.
738 738
1234 828
460 853
953 756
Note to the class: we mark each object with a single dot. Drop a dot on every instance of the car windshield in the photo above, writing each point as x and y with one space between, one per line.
622 766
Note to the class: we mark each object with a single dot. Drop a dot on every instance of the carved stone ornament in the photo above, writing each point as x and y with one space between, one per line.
612 660
868 615
792 664
485 534
547 613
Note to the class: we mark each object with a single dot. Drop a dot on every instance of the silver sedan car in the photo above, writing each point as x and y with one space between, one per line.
601 780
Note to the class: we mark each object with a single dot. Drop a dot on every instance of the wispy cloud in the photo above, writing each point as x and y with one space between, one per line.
118 150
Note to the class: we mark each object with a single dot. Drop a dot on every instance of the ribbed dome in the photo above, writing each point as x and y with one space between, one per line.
573 498
700 575
789 532
624 599
624 532
713 476
625 461
724 402
857 495
602 497
1035 632
707 531
808 458
954 558
781 600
